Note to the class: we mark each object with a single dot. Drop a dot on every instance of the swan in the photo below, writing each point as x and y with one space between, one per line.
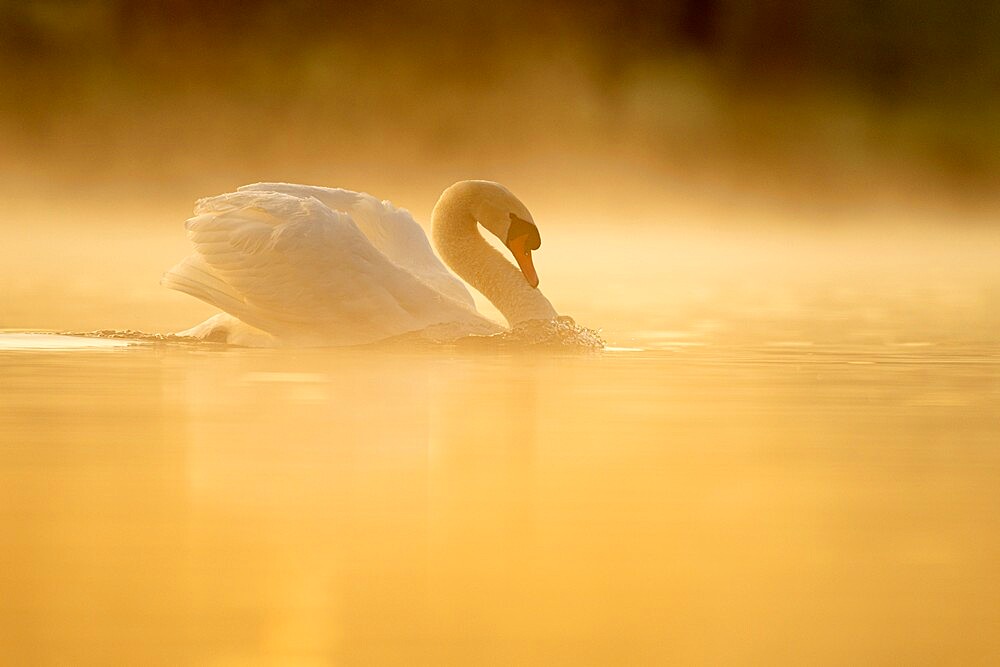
307 265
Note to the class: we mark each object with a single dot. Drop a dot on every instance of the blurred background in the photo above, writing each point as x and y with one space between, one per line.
740 122
784 210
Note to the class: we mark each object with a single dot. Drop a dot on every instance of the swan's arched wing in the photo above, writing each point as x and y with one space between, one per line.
294 267
392 230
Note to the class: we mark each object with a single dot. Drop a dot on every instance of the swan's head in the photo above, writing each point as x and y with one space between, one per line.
504 216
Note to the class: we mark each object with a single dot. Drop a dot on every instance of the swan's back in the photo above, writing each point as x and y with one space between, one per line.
392 230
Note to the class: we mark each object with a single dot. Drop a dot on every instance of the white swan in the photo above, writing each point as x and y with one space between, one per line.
302 265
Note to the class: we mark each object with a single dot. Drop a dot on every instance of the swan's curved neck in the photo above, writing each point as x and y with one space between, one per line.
458 241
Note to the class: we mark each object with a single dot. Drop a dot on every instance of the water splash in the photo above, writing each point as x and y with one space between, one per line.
560 333
135 336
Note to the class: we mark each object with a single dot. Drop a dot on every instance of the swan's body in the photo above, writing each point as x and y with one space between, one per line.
302 265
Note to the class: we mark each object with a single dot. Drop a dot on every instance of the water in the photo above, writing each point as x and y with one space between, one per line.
781 458
169 504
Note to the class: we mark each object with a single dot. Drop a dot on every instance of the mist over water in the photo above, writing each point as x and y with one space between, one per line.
645 285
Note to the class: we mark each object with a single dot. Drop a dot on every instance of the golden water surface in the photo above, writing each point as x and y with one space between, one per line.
782 459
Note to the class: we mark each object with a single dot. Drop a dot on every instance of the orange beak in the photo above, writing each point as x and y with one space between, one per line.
522 254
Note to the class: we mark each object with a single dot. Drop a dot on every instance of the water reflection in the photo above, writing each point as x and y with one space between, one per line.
177 506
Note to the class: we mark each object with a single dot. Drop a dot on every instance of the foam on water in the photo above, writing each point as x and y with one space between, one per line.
17 341
561 333
131 335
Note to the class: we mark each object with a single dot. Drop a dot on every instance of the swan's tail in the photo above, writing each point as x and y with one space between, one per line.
193 276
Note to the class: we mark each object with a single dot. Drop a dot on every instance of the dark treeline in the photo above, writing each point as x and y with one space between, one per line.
923 76
894 49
